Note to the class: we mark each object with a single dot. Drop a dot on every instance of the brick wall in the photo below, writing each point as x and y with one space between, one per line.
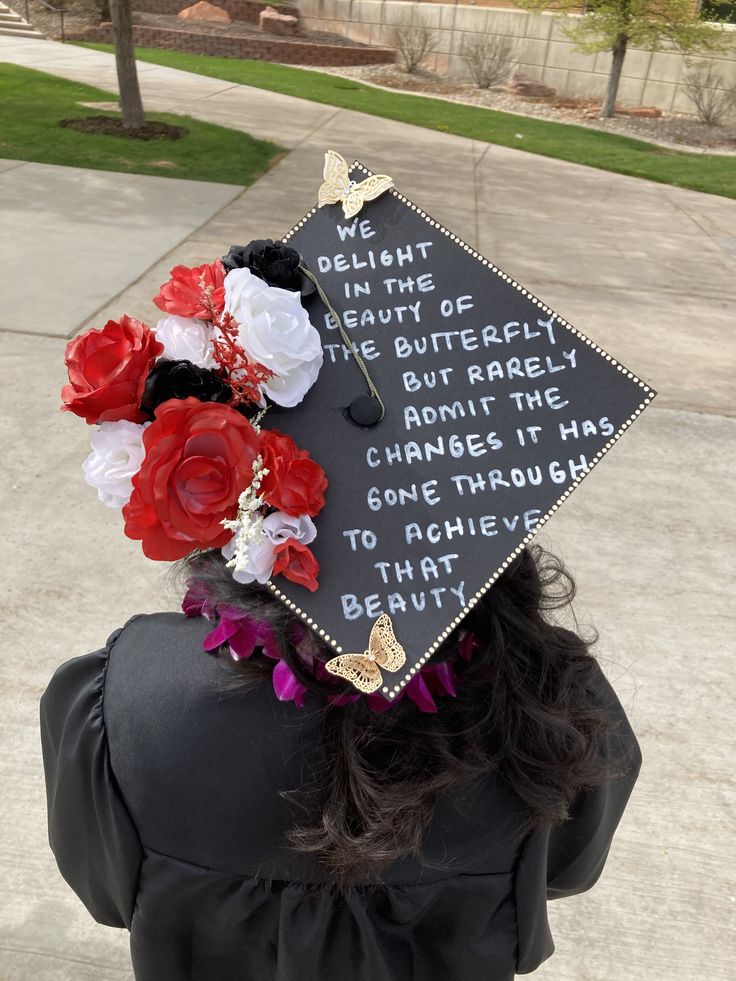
243 10
283 50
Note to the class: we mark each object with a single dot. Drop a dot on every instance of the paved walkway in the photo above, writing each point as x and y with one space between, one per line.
118 226
646 270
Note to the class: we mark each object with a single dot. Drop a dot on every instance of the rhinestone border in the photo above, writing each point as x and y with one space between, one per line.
648 393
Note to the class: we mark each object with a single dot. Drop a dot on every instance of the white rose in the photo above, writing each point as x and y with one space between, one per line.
117 455
259 560
279 527
276 331
186 339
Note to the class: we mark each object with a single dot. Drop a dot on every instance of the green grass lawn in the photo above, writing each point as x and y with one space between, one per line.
29 130
578 144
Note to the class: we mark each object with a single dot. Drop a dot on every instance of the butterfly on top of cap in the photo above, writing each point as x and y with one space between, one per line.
338 188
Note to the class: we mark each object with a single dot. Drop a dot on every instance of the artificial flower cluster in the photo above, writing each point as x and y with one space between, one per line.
178 445
246 636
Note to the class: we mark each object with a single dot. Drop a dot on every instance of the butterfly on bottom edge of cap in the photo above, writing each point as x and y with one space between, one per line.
338 187
362 670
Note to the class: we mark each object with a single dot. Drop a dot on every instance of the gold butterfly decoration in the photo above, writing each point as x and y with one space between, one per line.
362 670
352 195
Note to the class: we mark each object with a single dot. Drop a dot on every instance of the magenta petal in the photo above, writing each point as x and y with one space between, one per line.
297 633
322 674
419 694
268 642
192 605
444 675
345 699
245 639
287 686
377 703
220 635
465 645
196 602
232 613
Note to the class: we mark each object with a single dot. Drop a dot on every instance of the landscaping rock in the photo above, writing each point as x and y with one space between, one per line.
643 112
273 22
205 11
520 84
638 112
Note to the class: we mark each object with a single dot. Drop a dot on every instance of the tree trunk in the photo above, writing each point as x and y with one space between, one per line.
131 104
617 63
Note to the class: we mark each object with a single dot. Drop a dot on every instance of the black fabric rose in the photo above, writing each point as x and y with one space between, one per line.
180 380
273 262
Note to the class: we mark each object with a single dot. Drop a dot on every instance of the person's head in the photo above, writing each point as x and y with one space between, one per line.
522 709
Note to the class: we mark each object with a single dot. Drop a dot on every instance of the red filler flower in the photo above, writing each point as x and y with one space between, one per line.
294 484
296 562
194 292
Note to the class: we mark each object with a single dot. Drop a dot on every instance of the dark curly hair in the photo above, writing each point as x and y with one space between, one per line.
525 708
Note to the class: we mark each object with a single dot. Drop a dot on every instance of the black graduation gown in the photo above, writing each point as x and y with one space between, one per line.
165 818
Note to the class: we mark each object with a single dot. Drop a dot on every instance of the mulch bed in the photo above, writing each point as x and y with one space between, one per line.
113 126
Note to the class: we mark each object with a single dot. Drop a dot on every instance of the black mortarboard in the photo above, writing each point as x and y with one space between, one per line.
495 410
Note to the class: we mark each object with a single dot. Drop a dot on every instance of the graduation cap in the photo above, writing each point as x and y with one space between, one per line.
453 414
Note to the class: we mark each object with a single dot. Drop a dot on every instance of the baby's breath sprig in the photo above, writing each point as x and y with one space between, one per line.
248 525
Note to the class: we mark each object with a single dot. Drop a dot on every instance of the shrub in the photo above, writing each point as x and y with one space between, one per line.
488 58
713 101
413 42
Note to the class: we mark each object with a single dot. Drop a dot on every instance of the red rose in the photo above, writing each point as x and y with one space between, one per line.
294 484
197 292
296 562
199 459
108 370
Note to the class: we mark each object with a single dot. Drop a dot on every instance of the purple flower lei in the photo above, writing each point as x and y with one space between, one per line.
244 635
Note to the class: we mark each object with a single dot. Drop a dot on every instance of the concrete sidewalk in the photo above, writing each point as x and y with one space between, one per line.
101 230
648 272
